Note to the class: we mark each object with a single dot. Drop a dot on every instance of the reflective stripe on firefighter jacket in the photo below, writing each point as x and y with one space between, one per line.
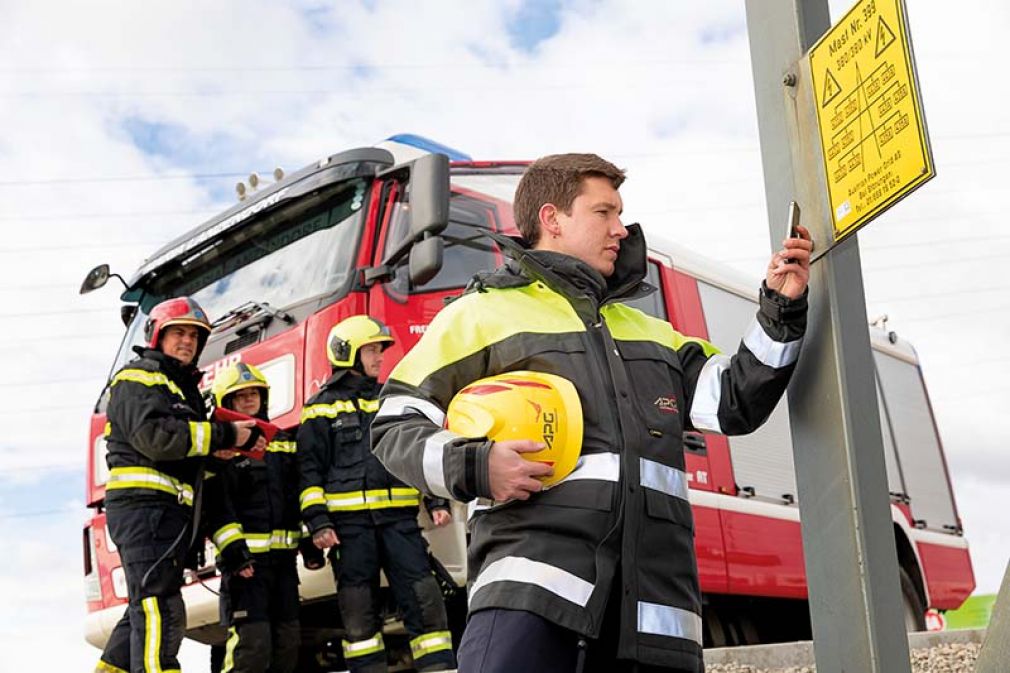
252 506
625 506
158 430
340 478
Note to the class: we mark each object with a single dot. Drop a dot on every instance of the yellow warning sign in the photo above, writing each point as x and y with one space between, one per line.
872 129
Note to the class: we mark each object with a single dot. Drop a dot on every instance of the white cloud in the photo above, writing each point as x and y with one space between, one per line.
120 90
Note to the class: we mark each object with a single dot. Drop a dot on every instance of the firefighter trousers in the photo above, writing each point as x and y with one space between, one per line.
148 637
398 548
498 640
261 613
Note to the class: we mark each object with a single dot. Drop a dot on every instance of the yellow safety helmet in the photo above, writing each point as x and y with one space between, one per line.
523 405
348 335
239 376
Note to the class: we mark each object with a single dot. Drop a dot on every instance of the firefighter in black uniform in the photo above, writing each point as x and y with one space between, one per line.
158 437
349 499
256 526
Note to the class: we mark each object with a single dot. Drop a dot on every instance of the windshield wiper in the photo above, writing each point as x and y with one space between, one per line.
262 313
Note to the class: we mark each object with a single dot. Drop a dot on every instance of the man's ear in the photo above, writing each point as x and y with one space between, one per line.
549 225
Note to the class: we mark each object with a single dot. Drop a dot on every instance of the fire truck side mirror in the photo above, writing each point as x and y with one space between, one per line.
425 260
95 279
429 195
98 277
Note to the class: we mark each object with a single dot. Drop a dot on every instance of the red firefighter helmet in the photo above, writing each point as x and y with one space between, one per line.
177 311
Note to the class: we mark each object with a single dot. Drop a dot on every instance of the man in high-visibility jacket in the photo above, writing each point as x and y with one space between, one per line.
365 515
158 437
255 523
598 572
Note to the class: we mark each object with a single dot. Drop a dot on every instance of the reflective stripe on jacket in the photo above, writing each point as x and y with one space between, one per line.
624 507
157 422
252 505
340 478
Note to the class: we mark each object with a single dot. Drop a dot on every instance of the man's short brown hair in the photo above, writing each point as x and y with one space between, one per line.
557 179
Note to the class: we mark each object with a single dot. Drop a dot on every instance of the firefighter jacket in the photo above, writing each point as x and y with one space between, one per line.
252 508
341 481
624 509
158 432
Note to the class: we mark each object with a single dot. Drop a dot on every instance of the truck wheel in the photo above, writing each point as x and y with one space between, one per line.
914 610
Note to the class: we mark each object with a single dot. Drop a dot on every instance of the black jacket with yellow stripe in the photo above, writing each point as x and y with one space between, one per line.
624 509
252 508
158 432
341 481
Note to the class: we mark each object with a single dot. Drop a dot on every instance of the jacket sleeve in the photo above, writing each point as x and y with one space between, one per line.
431 504
313 454
407 433
735 395
225 528
312 556
145 417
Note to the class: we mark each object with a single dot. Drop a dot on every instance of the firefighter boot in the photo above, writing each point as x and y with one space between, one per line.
431 646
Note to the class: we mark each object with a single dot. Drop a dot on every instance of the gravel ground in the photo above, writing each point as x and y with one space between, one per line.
949 658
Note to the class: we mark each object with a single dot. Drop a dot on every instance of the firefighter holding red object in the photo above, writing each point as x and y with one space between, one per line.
365 516
256 526
596 573
158 438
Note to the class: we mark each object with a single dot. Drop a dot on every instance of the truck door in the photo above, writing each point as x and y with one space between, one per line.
408 310
761 524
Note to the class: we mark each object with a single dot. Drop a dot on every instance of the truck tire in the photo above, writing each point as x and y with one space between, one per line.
913 609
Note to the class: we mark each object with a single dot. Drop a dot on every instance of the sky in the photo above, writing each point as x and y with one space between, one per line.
126 124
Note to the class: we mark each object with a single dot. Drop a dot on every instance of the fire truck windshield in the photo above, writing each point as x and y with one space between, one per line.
281 259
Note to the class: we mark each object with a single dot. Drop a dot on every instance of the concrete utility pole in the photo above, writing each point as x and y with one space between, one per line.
995 652
851 563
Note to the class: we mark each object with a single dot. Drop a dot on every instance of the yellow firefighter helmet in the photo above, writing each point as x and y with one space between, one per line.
523 405
348 335
239 376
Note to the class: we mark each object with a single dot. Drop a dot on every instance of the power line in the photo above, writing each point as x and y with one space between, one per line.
83 246
938 262
120 178
90 216
933 295
364 95
60 337
40 468
989 313
41 314
864 247
57 382
484 65
49 512
48 409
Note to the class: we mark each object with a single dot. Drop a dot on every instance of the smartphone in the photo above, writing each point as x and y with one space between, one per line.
793 220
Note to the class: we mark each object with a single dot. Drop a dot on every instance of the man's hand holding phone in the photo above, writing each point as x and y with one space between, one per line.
789 269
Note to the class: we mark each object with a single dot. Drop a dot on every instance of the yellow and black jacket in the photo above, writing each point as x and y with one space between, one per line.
252 508
625 507
158 432
341 481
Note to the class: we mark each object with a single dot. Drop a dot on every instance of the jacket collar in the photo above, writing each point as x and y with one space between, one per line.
173 368
349 380
569 275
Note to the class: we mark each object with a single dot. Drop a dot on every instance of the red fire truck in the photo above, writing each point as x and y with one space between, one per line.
393 231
